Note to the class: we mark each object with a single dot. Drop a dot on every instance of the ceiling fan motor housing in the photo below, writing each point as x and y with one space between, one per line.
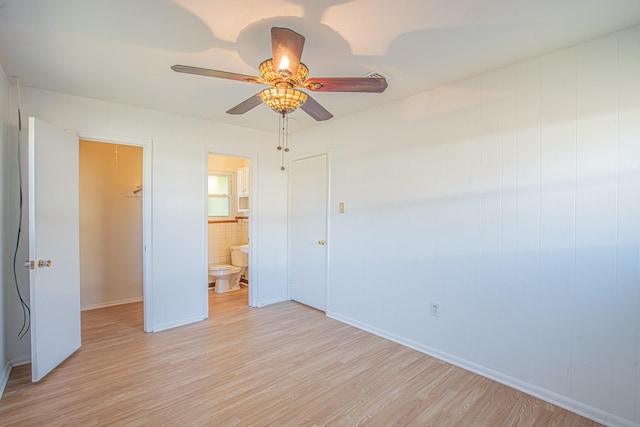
270 76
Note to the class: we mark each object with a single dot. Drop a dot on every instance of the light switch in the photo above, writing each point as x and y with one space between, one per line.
341 207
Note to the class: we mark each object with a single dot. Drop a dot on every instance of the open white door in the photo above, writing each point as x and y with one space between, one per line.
308 230
54 275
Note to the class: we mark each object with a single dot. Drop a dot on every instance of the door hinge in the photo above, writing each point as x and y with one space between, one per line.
31 265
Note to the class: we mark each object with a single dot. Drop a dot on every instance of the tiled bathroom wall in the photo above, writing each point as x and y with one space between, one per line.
224 235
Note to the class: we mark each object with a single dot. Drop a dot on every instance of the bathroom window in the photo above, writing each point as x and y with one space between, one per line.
219 195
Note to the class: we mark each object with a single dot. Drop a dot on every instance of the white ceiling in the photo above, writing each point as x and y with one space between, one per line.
121 50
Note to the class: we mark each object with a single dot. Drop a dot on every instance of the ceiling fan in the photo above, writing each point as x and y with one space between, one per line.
286 75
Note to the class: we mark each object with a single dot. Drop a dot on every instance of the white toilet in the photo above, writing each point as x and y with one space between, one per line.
228 276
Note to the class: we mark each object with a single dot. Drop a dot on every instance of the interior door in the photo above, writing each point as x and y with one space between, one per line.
54 274
308 230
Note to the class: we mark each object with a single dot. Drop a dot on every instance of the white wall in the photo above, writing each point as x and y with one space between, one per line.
179 228
512 199
5 263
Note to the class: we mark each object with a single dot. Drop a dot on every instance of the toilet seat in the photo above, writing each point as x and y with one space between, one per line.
224 269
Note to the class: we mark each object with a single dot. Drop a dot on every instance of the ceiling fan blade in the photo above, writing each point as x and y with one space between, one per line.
246 105
315 110
215 73
286 46
346 84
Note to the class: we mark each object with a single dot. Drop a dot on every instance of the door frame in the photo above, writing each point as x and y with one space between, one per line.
253 228
327 223
147 179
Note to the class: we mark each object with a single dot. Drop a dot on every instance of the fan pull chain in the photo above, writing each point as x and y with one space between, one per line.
283 136
280 130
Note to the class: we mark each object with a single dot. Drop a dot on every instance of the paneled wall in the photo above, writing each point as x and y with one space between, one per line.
512 199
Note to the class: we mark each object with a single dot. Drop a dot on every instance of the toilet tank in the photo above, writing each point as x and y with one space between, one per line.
239 258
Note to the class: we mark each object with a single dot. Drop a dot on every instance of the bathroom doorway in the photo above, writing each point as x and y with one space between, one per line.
111 211
228 210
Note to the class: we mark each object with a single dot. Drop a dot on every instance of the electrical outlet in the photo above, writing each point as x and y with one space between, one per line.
435 309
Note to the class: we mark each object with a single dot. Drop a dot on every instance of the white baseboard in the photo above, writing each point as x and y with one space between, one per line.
19 361
4 377
271 301
169 325
6 370
111 303
565 402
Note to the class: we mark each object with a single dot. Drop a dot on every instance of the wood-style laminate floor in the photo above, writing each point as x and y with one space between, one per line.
281 365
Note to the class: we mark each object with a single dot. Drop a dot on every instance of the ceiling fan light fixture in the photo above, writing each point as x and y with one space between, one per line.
283 100
270 76
283 67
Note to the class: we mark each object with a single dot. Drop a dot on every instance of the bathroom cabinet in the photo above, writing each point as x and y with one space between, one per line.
243 181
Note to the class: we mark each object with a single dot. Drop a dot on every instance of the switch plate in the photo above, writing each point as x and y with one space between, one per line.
435 309
341 207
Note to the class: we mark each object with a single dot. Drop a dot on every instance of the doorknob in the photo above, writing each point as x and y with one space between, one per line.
42 263
321 242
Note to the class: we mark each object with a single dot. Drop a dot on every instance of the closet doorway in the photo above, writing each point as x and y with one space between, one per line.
111 212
